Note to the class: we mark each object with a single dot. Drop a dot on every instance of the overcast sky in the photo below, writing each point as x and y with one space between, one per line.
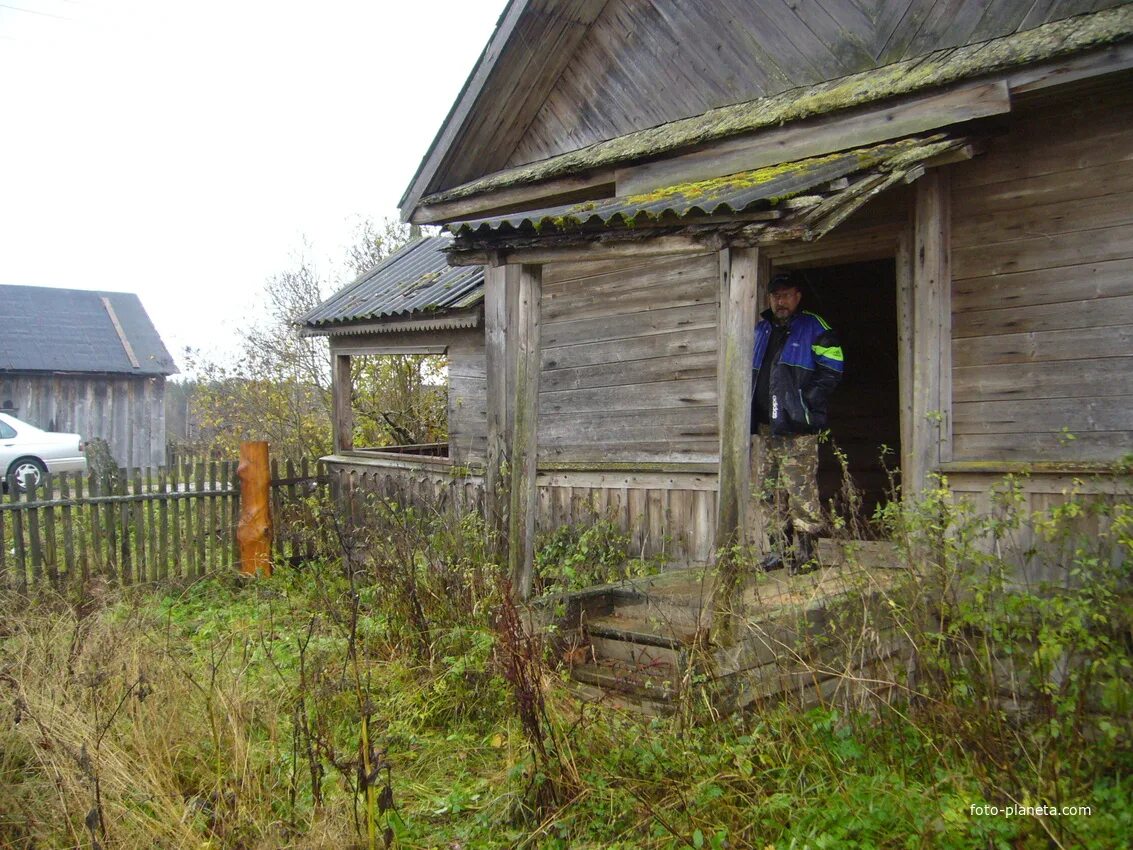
183 150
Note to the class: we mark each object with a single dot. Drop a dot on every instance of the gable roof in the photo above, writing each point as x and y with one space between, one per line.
78 330
415 282
1001 35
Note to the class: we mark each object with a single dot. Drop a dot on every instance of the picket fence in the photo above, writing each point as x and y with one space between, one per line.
144 525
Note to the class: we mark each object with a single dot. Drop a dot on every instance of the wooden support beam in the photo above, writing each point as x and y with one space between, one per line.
564 190
905 348
497 281
931 346
819 136
342 391
660 246
742 270
524 339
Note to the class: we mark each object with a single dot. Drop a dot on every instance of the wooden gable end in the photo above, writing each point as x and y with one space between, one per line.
559 75
643 63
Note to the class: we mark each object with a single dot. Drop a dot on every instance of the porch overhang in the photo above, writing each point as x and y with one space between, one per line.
798 200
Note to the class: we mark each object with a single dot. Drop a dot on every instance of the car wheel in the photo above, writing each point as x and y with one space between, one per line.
26 473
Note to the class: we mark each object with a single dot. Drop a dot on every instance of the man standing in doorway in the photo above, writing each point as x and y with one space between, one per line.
797 364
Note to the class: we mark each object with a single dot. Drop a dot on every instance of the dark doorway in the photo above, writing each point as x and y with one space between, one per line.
859 300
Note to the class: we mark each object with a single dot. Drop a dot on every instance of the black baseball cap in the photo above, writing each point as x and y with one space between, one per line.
785 280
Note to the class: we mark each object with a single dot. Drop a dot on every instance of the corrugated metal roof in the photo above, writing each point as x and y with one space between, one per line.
764 188
414 281
70 330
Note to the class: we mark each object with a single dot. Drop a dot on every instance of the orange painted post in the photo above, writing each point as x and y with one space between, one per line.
254 532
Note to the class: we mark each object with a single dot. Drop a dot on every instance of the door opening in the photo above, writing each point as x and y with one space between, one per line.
859 300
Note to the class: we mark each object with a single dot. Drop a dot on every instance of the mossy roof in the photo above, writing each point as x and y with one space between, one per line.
939 68
760 188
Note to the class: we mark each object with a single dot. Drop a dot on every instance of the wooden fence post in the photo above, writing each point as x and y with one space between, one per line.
254 533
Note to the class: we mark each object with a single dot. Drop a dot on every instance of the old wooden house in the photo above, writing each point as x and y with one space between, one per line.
86 362
953 181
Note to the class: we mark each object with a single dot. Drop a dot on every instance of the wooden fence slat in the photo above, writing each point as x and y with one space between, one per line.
3 550
85 534
233 514
50 545
18 538
187 508
68 526
175 509
163 519
140 573
201 530
212 527
92 513
153 567
308 535
276 525
292 542
34 542
123 512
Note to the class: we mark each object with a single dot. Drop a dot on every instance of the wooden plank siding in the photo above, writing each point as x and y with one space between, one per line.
629 361
1042 295
467 400
612 84
127 412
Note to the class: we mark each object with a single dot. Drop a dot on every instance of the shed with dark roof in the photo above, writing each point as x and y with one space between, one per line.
88 362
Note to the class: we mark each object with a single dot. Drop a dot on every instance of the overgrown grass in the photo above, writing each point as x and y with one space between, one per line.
377 698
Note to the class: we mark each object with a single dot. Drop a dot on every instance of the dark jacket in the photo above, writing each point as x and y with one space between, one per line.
808 370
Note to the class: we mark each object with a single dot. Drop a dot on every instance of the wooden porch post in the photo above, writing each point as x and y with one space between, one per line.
497 281
524 339
742 270
341 392
932 321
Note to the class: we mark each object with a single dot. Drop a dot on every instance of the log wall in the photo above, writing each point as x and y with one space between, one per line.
127 412
1042 296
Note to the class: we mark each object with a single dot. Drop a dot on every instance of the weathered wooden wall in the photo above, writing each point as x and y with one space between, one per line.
127 412
642 64
467 400
629 361
1042 297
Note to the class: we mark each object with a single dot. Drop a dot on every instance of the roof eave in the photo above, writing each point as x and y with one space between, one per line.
452 320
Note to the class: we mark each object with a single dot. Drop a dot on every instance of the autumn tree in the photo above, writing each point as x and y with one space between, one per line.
278 389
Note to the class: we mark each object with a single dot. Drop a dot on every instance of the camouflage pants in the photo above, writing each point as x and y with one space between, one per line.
784 472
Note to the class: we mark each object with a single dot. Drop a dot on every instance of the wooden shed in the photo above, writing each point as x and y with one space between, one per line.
952 180
86 362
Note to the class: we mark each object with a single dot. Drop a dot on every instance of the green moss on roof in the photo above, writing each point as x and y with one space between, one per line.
940 68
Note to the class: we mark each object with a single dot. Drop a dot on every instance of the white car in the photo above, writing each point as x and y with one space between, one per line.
27 453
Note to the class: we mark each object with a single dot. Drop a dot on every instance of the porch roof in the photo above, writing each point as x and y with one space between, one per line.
415 282
808 196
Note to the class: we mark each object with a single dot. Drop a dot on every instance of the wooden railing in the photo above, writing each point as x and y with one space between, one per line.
141 525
